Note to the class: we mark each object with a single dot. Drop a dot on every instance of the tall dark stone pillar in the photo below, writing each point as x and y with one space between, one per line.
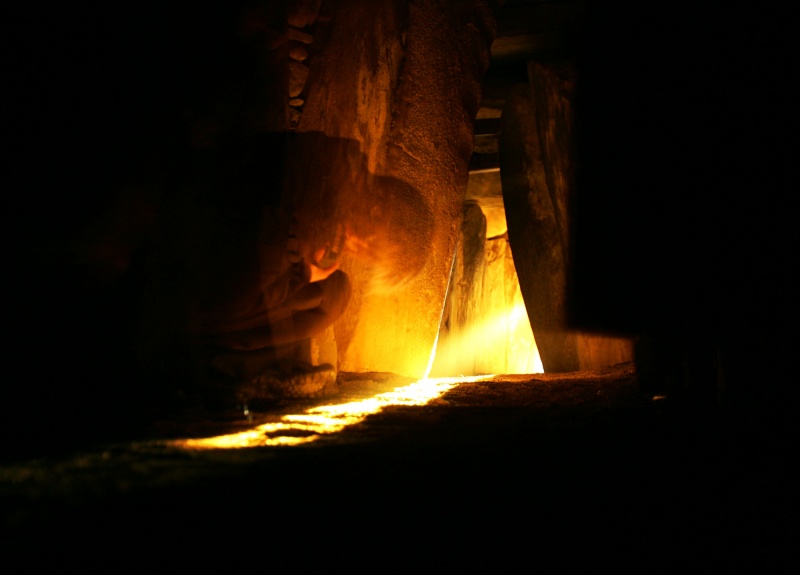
536 225
537 165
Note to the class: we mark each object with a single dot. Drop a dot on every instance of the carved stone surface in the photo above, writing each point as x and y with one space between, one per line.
484 325
455 351
406 91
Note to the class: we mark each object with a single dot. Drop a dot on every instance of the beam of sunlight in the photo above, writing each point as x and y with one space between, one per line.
324 420
432 356
502 343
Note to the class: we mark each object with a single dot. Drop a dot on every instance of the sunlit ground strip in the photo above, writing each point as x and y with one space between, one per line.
295 429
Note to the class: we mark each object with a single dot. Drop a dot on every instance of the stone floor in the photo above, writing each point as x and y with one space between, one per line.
519 471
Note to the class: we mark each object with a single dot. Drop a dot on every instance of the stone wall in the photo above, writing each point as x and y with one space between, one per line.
401 82
485 328
536 153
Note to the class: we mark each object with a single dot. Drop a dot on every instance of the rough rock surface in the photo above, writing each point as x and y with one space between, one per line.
406 92
299 384
484 327
536 154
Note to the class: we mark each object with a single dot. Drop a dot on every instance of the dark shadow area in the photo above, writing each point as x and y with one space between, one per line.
683 237
564 471
683 230
157 230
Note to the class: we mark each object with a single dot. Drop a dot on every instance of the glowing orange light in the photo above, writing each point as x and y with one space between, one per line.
503 343
317 422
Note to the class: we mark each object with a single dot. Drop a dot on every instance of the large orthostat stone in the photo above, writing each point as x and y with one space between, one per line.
537 177
405 89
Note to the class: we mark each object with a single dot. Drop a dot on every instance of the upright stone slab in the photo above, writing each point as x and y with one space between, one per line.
536 158
401 80
534 229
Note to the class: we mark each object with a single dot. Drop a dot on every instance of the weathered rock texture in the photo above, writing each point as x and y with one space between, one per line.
536 168
484 326
405 90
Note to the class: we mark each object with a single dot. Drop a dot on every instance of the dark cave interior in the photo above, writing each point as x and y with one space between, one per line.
646 154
